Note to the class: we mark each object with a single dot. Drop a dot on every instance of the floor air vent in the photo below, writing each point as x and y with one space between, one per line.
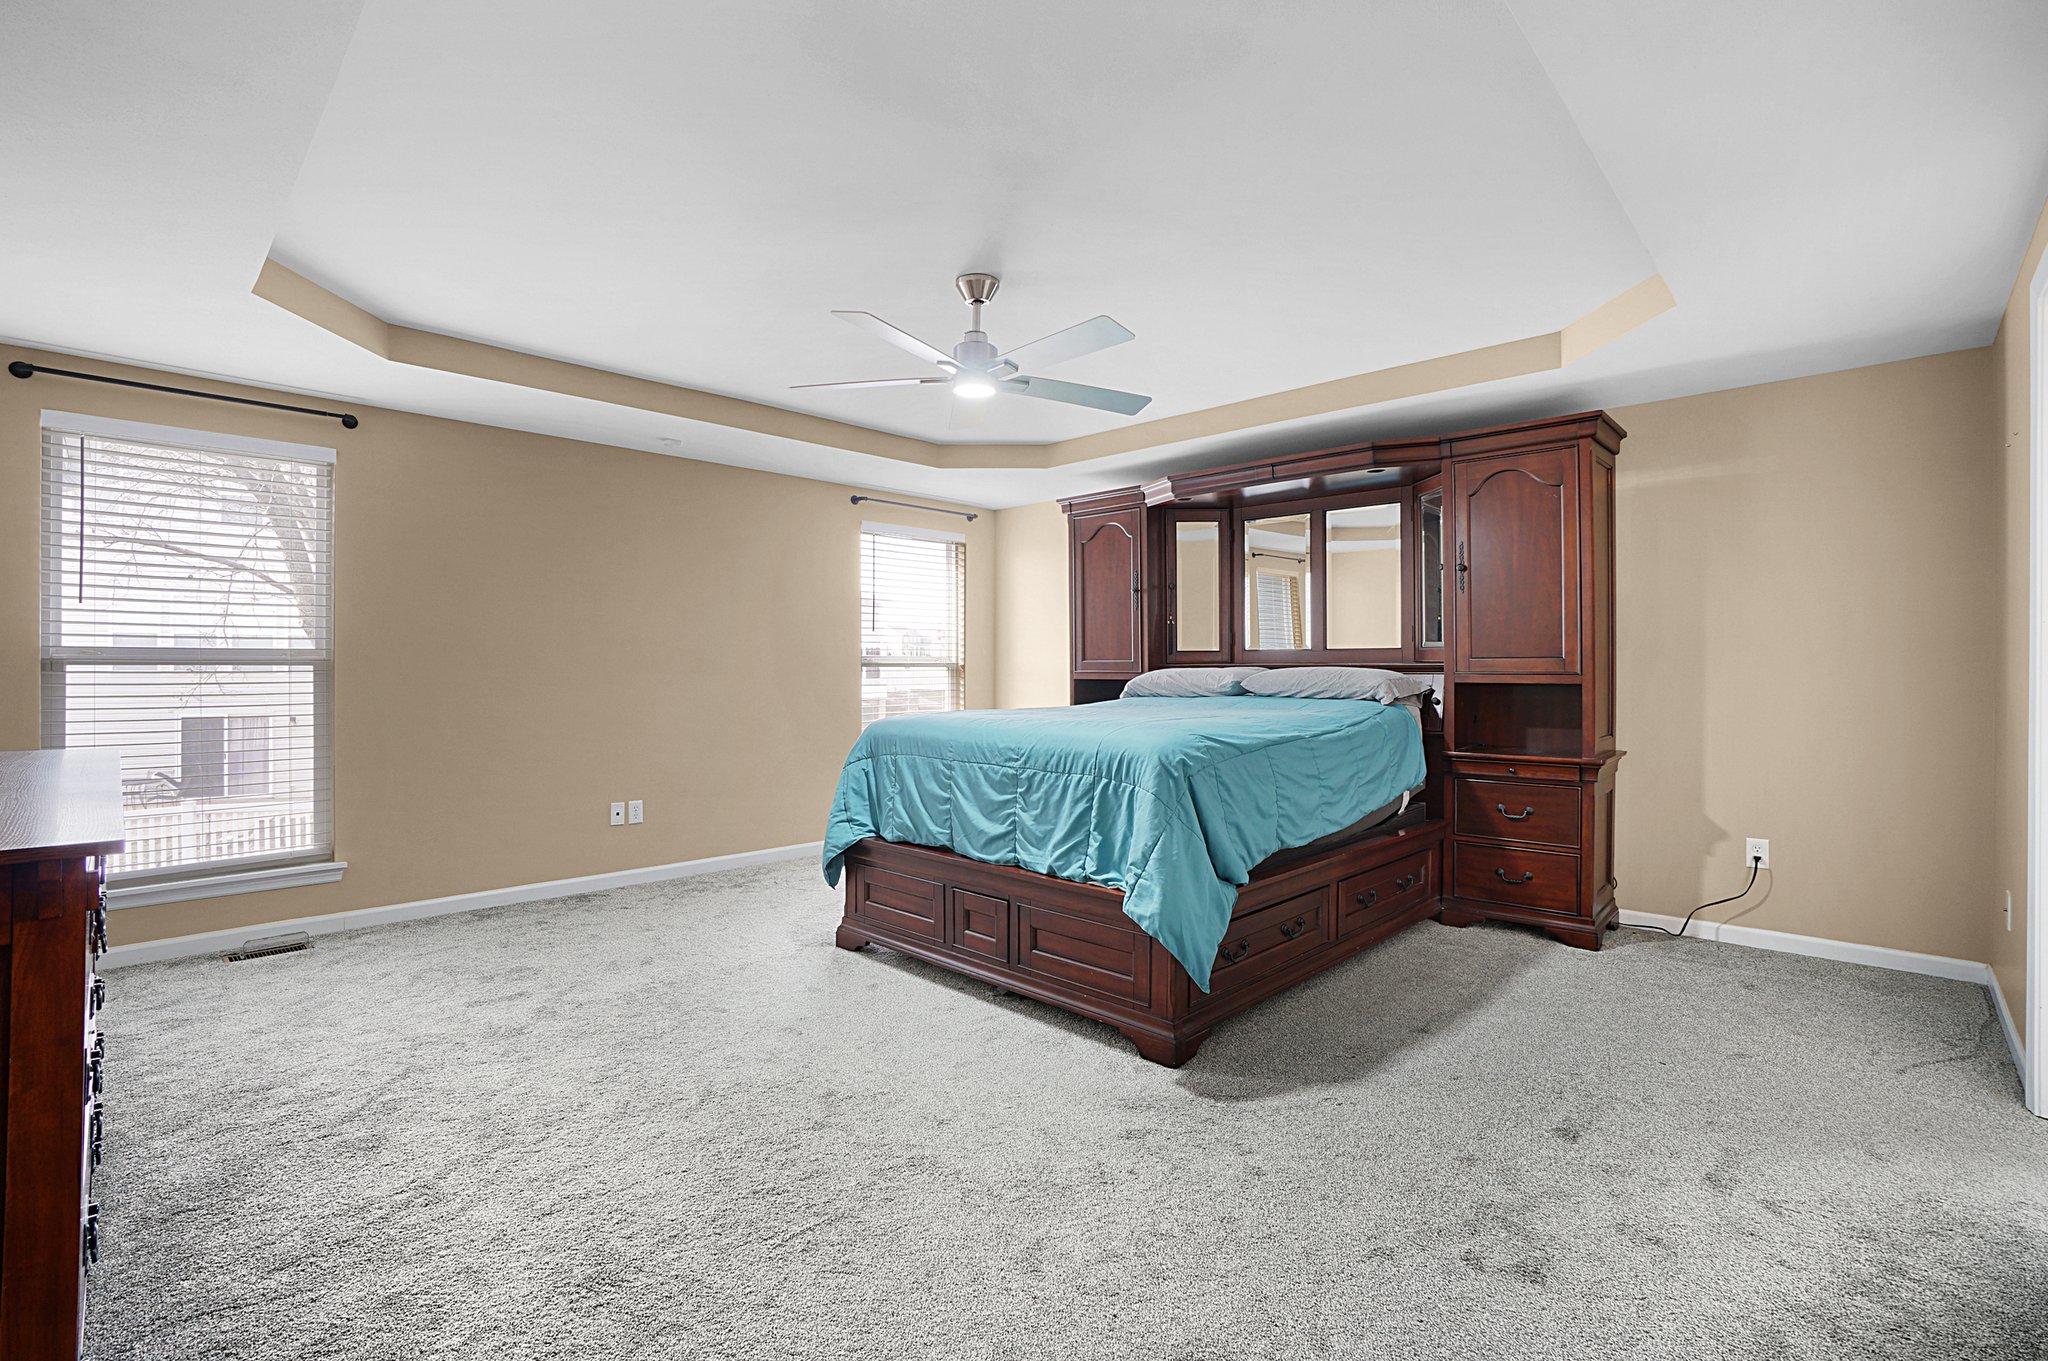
265 946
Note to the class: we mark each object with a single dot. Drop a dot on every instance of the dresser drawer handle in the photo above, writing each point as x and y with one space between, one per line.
1367 898
1522 816
1294 928
1230 954
1502 875
89 1236
1407 881
96 996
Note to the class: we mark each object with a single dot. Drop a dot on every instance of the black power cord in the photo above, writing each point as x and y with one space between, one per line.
1754 866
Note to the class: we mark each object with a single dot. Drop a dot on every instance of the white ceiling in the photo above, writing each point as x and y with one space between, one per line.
1270 196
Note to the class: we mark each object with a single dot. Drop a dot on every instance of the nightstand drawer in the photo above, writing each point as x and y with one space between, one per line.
1517 810
1544 880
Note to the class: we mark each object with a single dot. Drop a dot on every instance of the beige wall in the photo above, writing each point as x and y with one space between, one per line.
1808 612
1807 617
2012 361
527 629
1031 607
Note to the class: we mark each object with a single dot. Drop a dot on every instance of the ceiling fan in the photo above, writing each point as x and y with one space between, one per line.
976 370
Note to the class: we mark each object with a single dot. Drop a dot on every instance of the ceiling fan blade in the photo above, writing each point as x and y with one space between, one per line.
1076 394
1086 337
874 383
902 340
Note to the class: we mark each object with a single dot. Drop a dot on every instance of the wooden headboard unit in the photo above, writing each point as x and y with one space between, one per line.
1509 594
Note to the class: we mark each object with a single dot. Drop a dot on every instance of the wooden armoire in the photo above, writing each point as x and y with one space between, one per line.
1491 559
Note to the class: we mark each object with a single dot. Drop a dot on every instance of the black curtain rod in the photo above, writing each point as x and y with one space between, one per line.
912 505
21 368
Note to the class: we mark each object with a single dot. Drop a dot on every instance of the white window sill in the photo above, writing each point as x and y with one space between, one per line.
220 885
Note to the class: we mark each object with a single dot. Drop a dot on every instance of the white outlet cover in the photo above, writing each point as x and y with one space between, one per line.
1758 851
635 811
618 815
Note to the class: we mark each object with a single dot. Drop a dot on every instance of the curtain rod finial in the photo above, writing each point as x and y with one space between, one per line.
21 368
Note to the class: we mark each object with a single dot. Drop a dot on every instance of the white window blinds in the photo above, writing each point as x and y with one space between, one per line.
912 617
187 622
1278 602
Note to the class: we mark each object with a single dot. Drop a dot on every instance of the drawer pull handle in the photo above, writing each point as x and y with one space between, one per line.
1513 771
1407 881
1230 954
1502 809
1502 874
89 1235
1294 928
1367 898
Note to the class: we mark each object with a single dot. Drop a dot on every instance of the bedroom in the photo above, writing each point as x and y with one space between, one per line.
530 689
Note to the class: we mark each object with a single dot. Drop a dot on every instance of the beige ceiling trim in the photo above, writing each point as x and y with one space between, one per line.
425 349
1468 368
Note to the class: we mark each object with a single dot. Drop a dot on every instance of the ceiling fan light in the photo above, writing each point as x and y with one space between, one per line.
976 388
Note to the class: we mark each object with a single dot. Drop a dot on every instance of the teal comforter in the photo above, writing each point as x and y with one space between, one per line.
1171 800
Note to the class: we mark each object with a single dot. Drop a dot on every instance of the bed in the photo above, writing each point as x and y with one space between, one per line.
1156 863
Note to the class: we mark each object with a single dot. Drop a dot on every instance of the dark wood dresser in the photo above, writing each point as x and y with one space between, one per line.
60 816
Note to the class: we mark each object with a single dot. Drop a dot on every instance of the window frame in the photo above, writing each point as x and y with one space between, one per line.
958 666
208 878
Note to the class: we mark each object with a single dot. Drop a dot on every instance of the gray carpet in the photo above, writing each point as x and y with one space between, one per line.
674 1121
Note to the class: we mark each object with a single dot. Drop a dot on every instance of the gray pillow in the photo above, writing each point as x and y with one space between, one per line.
1336 682
1191 682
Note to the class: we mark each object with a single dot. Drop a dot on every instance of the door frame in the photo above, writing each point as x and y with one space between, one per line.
2034 1052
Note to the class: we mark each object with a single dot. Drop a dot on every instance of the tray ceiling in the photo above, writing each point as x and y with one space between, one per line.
1272 197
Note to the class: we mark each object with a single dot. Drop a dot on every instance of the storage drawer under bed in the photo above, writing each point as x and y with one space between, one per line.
1365 900
1270 938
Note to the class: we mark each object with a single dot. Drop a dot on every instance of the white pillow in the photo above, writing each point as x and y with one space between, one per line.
1336 682
1191 682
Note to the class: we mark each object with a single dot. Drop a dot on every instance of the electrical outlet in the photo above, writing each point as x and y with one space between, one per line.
618 815
635 813
1758 854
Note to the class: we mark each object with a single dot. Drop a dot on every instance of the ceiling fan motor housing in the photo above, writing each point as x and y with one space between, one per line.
974 351
976 289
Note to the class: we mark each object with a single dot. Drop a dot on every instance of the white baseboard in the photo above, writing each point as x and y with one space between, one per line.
1878 956
214 942
1848 952
2012 1035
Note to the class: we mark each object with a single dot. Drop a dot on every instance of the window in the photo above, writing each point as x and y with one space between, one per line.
912 616
186 622
1278 604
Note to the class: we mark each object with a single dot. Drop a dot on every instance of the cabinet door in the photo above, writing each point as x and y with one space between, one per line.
1515 564
1107 561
